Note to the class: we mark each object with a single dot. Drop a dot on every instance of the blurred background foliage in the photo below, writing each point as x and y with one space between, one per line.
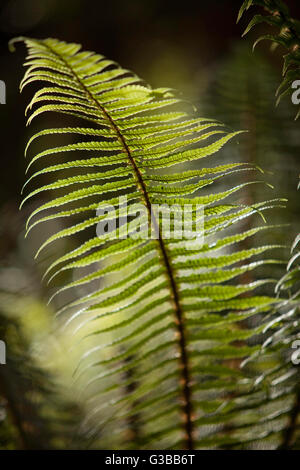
194 47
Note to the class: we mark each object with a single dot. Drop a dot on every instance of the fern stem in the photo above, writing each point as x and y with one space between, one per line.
179 317
134 434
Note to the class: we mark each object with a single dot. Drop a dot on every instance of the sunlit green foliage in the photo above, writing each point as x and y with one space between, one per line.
172 323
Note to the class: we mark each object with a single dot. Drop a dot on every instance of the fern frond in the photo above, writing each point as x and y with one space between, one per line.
241 94
286 34
163 314
276 394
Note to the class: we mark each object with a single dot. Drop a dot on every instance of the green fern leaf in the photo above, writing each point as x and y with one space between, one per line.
287 35
164 306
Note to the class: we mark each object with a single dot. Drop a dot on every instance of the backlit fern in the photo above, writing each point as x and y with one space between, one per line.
166 310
